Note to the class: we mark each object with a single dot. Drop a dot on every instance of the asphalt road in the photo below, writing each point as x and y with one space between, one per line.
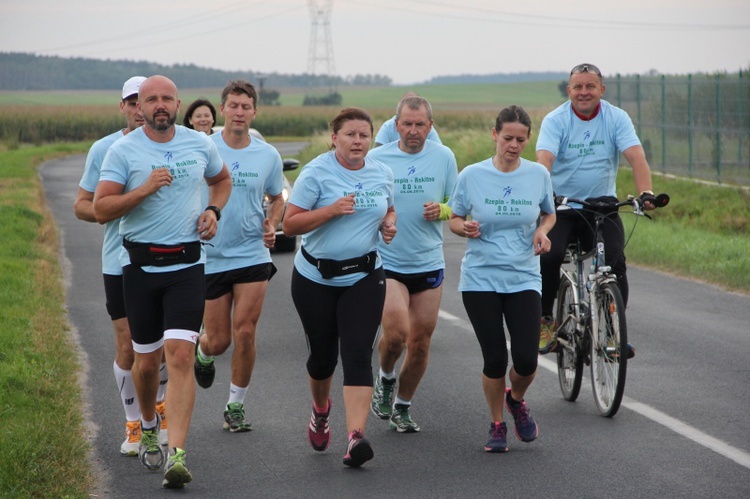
680 433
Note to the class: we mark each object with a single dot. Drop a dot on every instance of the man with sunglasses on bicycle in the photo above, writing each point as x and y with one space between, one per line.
580 143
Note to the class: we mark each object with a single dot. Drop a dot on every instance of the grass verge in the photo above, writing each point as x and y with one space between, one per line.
43 452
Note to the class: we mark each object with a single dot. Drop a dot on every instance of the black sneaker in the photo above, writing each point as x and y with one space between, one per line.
359 450
205 370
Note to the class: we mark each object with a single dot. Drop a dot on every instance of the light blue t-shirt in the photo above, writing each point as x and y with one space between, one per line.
170 215
256 170
586 152
506 205
428 175
321 183
89 180
388 133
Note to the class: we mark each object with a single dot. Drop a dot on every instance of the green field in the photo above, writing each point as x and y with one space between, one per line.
442 97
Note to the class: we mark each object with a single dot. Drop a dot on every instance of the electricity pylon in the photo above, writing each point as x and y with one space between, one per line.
320 57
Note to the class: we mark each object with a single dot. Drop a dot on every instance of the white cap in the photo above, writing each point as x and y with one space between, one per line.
131 86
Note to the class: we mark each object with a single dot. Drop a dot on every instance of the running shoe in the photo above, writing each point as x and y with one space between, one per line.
234 418
204 369
359 450
149 450
318 432
163 432
498 438
401 420
176 474
132 439
547 339
382 397
526 428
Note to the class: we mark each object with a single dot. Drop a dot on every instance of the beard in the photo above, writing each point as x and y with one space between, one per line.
161 126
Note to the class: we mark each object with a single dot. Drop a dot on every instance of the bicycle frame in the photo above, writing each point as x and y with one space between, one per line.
590 312
586 283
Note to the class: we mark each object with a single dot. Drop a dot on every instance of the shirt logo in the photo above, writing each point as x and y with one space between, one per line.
359 186
586 135
168 157
412 170
507 191
235 166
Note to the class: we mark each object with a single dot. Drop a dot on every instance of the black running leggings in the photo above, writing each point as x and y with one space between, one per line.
522 312
346 316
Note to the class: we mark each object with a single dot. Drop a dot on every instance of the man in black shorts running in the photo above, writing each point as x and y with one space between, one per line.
238 265
151 179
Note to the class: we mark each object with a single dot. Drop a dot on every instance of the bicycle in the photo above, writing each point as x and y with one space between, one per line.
590 311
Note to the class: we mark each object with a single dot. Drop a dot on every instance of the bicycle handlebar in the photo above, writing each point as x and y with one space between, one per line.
659 201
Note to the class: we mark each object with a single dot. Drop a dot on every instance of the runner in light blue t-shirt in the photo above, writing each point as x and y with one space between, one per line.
151 179
425 173
112 271
504 206
341 204
239 265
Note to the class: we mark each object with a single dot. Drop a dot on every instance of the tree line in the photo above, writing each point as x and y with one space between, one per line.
22 71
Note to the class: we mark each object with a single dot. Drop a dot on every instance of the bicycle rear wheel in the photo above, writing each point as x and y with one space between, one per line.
609 350
569 354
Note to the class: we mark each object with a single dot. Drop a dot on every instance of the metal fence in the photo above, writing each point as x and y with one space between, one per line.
696 126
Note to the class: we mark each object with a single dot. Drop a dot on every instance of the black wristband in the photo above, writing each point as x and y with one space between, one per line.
216 210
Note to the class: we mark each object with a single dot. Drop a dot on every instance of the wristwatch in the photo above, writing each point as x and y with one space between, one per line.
216 210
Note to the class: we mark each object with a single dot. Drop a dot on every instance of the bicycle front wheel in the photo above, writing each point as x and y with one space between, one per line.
609 349
569 354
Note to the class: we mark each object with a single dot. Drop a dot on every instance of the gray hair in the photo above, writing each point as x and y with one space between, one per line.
414 102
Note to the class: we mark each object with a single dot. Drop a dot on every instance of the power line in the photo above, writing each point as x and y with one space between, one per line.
542 20
150 43
172 26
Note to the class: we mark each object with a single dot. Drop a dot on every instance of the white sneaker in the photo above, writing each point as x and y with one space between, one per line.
132 439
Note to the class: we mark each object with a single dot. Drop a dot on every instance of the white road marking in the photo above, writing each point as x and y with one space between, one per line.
680 427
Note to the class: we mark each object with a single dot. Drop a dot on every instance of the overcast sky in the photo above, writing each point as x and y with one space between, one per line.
407 40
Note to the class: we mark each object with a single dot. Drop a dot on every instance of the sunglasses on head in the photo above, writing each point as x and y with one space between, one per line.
586 68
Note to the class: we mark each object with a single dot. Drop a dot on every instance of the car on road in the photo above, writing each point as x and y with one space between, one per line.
283 243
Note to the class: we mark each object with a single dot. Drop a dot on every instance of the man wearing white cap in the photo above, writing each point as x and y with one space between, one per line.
112 271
